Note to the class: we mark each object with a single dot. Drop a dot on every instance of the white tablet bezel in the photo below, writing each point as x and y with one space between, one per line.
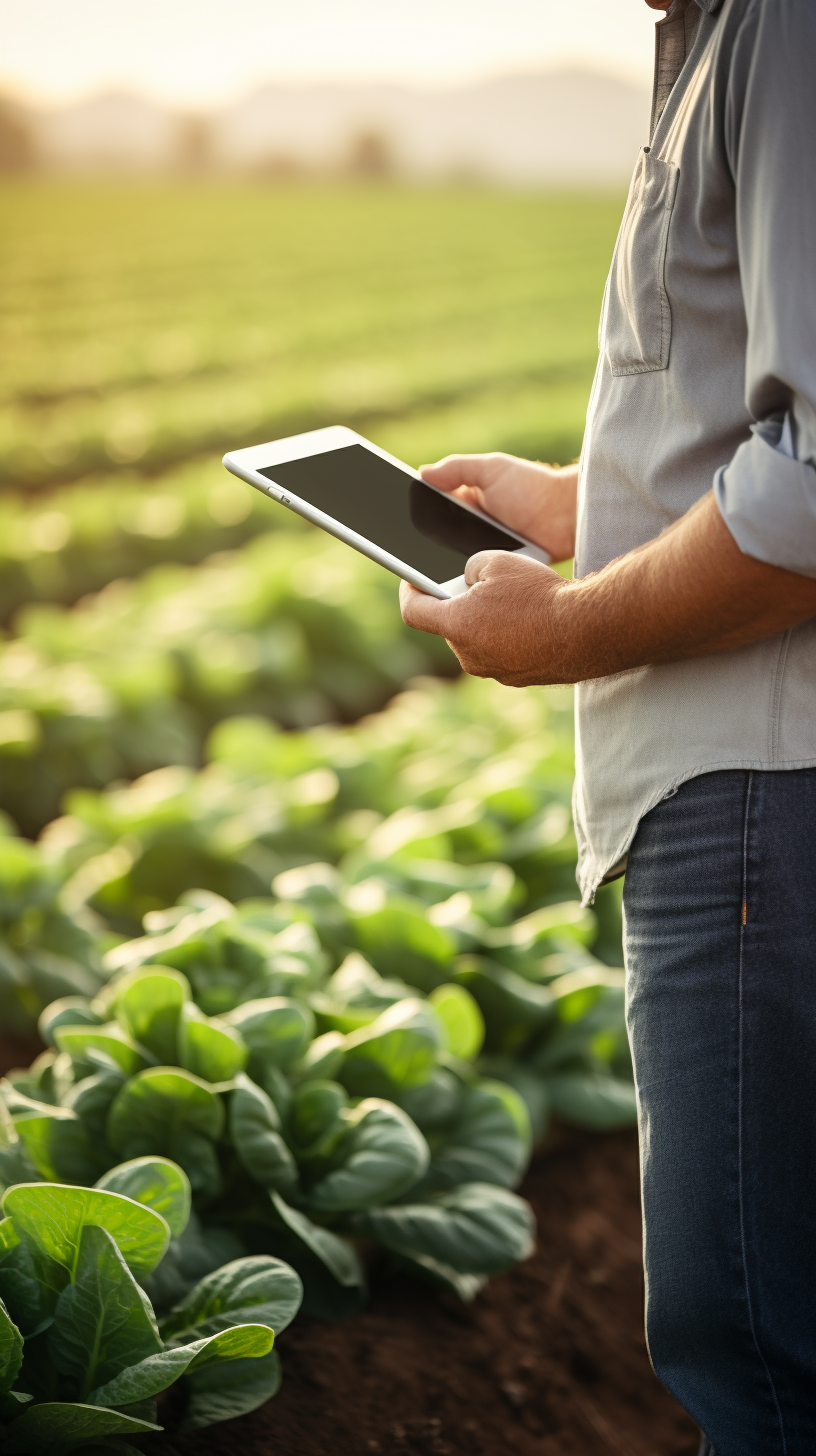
248 463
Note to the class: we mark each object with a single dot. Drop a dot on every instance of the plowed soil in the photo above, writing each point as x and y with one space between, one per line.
549 1360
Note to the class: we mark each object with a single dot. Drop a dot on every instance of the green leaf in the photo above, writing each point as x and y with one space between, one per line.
489 1142
399 941
531 1087
324 1058
108 1043
68 1011
157 1371
157 1103
335 1253
257 1289
382 1155
255 1132
230 1390
91 1100
196 1252
475 1229
103 1321
53 1217
11 1350
30 1281
397 1050
276 1027
157 1183
148 1005
314 1123
593 1100
514 1009
58 1426
433 1104
210 1048
59 1147
462 1020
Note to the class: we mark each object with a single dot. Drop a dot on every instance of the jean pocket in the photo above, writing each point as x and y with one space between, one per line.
638 315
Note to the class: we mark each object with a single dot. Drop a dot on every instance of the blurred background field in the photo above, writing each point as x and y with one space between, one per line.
181 275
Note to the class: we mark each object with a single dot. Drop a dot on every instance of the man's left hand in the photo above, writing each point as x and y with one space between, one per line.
504 626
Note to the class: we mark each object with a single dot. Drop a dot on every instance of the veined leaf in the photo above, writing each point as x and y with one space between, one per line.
148 1004
233 1389
30 1281
475 1229
210 1048
59 1426
255 1131
156 1182
382 1155
254 1290
11 1350
103 1322
154 1373
314 1121
53 1216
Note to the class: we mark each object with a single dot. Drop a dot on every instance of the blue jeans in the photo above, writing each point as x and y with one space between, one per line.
720 935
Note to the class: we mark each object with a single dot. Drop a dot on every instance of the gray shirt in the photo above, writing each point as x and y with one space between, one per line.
707 377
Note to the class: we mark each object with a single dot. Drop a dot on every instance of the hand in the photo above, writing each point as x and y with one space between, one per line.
503 627
538 501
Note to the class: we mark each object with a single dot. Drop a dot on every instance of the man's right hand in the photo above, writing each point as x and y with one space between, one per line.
538 501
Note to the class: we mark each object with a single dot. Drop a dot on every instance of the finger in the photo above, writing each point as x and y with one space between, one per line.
477 471
483 564
425 613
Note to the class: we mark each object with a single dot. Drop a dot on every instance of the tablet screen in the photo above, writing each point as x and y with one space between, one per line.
426 530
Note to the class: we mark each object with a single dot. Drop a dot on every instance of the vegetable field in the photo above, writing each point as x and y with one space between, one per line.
286 904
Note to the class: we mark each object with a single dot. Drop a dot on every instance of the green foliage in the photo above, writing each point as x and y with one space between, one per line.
45 953
82 1354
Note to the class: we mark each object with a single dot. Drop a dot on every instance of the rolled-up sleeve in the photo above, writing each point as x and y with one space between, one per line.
767 493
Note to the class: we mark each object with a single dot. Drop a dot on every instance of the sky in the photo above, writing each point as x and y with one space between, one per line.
202 53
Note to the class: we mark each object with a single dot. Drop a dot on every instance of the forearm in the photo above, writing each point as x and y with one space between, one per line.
688 593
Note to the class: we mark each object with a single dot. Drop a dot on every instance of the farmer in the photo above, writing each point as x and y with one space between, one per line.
689 629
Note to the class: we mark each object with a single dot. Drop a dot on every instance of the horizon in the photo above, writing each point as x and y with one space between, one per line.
196 55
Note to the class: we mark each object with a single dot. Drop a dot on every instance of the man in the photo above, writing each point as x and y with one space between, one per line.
690 630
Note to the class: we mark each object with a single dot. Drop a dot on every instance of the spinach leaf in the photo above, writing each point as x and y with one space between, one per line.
256 1289
103 1321
381 1156
156 1182
474 1229
52 1217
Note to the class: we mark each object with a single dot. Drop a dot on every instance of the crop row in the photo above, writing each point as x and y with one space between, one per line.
162 326
348 1075
293 626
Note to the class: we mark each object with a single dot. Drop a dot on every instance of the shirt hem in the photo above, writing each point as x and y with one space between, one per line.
593 871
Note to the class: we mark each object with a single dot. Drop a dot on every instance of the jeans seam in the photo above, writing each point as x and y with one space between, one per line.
740 1150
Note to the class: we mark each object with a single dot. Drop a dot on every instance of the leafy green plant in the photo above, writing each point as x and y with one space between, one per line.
288 1139
44 951
83 1356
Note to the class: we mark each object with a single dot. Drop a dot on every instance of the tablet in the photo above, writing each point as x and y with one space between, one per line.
362 495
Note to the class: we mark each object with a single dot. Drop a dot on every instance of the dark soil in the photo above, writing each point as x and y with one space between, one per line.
549 1360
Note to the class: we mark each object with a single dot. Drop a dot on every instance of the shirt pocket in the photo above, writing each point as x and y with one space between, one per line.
638 315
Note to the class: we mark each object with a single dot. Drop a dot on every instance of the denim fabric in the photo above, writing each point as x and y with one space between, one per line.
720 933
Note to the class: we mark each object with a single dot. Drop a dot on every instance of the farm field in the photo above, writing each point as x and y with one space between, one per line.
288 921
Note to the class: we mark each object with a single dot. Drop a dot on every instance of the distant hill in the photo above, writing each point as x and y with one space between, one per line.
560 127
